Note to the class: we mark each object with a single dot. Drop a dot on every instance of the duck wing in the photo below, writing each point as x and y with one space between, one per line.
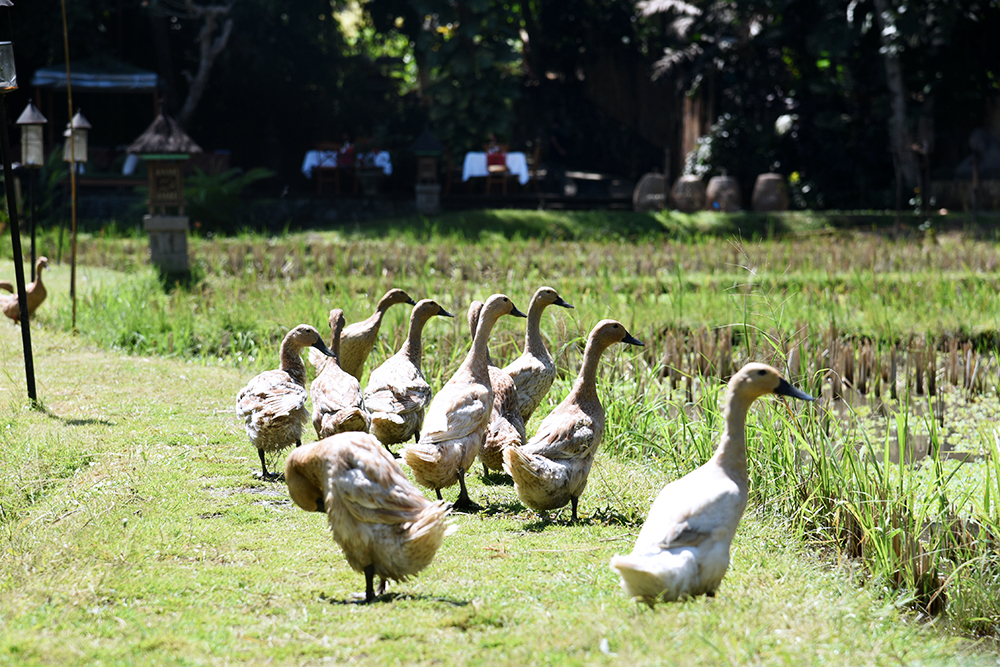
565 434
373 489
397 392
457 413
272 394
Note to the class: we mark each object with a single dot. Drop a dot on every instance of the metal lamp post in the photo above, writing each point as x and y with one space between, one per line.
8 83
31 121
74 151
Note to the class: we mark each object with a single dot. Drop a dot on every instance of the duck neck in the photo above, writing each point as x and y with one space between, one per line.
337 329
413 345
291 363
38 274
478 358
732 451
533 342
585 387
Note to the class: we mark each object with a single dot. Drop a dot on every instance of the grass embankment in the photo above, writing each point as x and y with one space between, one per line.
134 533
927 533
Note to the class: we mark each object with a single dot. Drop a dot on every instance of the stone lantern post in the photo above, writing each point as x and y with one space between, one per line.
428 149
165 149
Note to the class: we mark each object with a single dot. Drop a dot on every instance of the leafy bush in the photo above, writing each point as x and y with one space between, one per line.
215 200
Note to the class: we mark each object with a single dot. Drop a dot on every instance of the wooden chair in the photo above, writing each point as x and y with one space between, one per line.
325 175
453 174
534 164
496 172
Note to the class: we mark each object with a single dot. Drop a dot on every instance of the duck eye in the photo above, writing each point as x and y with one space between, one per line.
616 326
762 373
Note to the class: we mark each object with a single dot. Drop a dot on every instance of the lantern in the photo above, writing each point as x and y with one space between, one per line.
75 148
31 121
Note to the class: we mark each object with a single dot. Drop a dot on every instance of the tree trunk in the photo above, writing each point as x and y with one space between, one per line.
210 47
899 133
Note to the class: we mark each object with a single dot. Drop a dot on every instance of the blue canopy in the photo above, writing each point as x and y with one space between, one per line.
108 75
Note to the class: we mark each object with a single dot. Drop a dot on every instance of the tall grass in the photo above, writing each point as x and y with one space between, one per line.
928 530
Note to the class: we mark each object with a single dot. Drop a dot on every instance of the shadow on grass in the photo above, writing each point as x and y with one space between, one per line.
496 478
359 599
73 422
604 516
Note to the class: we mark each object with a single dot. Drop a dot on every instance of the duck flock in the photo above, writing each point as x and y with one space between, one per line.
388 528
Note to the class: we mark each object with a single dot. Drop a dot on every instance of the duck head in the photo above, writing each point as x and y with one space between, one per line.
394 296
428 308
303 470
756 379
608 332
42 263
500 303
306 335
547 296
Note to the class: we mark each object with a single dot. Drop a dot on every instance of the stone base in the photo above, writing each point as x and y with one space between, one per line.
168 242
428 198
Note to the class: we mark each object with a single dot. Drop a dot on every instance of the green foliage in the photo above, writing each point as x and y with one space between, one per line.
214 199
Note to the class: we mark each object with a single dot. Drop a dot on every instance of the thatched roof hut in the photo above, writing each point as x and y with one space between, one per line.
164 136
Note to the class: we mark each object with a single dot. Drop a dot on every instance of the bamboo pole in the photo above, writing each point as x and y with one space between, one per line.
72 169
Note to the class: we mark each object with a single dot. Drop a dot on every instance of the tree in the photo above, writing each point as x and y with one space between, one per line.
216 28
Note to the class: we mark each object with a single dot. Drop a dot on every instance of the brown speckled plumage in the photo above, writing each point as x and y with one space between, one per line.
34 293
397 393
383 524
273 403
506 427
336 395
534 371
551 470
457 417
358 339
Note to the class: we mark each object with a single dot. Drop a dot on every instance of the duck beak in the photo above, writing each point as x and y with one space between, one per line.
321 346
632 340
444 313
514 312
410 301
561 302
786 389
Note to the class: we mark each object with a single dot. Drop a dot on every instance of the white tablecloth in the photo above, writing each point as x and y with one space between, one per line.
475 165
329 159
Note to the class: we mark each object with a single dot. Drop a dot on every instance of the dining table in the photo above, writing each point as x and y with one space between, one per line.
476 165
321 158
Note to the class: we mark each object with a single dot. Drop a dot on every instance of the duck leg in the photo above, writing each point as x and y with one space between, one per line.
370 583
573 501
263 466
438 492
486 471
464 503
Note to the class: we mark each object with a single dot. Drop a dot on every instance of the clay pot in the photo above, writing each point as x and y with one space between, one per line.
770 193
650 193
688 194
723 194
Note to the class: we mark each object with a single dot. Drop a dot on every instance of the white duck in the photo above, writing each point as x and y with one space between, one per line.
397 392
383 524
552 469
683 548
336 395
458 415
273 404
534 371
506 427
357 340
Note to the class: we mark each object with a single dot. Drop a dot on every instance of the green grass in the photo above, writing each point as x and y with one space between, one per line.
154 544
826 482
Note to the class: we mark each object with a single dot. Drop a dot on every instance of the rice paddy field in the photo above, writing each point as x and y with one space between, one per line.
133 530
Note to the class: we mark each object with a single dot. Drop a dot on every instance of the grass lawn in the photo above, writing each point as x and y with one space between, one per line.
133 532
